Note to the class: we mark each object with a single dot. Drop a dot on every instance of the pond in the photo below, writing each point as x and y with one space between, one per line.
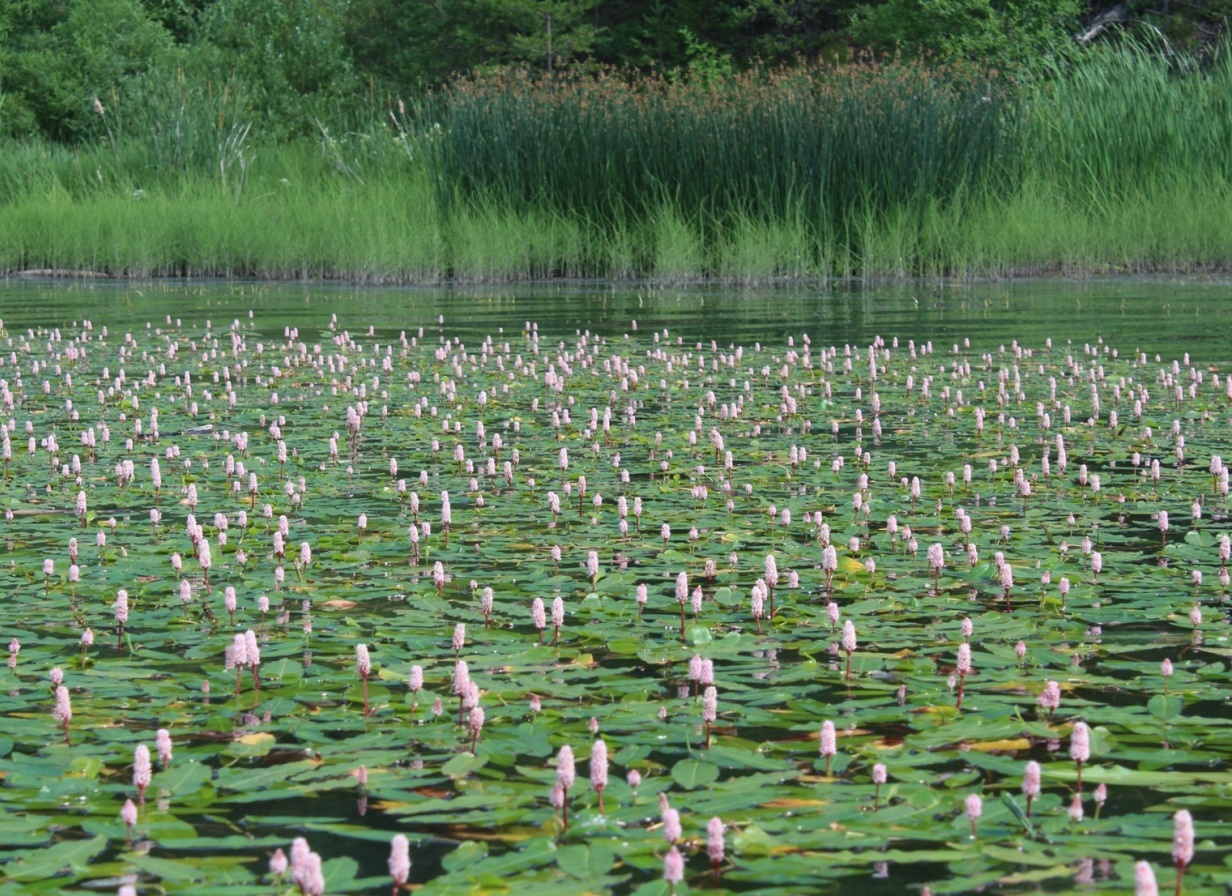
832 567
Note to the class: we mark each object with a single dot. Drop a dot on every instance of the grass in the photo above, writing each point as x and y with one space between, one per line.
873 171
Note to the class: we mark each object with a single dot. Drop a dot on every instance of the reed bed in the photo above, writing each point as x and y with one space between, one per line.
1116 163
1121 123
811 146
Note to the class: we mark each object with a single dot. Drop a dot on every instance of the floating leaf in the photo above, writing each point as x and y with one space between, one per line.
71 856
692 773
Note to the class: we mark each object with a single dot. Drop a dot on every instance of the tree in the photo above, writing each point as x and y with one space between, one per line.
996 32
290 56
405 43
783 30
58 56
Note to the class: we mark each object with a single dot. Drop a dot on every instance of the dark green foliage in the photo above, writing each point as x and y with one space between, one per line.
1001 32
295 62
179 17
789 29
405 44
58 56
290 56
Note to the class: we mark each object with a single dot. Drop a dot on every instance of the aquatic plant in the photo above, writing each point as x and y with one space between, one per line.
691 696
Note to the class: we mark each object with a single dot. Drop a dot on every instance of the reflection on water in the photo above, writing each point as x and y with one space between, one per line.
1148 314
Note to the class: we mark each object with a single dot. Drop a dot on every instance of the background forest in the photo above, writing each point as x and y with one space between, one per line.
294 62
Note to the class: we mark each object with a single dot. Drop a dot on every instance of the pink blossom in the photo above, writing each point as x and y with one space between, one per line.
1075 808
671 825
565 770
1182 838
162 742
399 855
63 711
828 739
1144 880
142 770
715 846
598 765
975 807
1080 742
673 866
1031 779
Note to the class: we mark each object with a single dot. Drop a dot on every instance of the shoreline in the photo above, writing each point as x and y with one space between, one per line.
1055 273
1209 276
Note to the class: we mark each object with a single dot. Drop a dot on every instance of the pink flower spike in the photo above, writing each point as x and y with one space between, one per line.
598 770
963 668
1075 807
63 711
538 616
1144 880
975 808
162 742
399 860
1080 747
828 744
566 773
673 868
1031 783
1050 697
128 815
142 771
363 666
1100 796
672 830
715 845
1182 841
879 778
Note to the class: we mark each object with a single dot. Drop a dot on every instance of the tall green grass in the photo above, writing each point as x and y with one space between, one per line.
1120 123
807 145
1117 163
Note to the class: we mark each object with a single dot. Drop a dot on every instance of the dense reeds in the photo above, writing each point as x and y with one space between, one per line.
819 149
1119 162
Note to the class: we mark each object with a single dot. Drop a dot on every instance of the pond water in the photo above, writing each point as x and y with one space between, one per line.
996 492
1153 314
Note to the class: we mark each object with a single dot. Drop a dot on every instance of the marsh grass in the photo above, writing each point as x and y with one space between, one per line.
1118 163
1126 122
809 146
